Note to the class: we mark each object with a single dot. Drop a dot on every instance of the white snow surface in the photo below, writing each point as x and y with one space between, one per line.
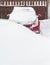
20 46
23 15
45 27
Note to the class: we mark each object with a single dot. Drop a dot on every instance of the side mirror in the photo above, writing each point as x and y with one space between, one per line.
39 15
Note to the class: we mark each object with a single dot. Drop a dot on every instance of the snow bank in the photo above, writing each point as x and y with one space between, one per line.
20 46
45 27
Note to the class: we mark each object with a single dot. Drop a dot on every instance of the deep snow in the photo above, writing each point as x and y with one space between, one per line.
45 27
20 46
23 15
27 15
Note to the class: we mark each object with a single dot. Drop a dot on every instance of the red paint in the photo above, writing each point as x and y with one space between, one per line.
37 28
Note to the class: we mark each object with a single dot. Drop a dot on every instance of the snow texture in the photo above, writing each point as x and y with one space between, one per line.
27 15
23 15
20 46
45 27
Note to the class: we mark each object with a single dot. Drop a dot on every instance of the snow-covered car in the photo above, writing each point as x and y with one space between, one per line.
25 16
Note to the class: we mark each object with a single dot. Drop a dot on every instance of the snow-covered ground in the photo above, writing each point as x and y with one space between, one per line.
20 46
45 27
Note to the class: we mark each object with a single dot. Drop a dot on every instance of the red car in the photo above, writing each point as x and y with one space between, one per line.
35 26
26 17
